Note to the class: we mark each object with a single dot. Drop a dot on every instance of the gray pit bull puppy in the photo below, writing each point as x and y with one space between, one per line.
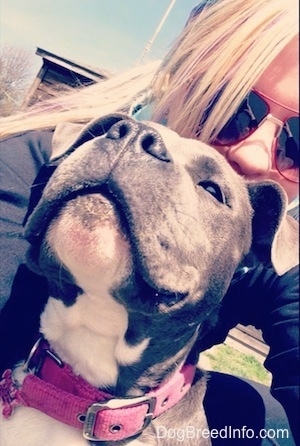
139 233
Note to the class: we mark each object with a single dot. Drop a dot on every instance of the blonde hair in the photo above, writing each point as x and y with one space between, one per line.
115 94
217 58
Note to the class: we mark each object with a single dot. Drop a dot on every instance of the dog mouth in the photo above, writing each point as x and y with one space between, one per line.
93 206
87 219
92 228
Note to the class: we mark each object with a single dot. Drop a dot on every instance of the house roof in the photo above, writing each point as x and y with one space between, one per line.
79 68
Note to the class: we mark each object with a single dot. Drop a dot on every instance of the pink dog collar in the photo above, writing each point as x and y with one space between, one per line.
55 390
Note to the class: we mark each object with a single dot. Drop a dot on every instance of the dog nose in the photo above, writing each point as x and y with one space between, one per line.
139 136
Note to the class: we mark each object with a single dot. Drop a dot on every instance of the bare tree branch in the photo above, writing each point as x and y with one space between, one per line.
16 74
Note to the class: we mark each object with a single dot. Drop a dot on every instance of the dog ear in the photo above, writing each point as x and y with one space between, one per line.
67 136
63 138
275 235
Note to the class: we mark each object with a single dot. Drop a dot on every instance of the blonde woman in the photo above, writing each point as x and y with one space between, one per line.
231 80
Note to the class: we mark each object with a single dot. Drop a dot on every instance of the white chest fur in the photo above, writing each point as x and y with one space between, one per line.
29 427
90 337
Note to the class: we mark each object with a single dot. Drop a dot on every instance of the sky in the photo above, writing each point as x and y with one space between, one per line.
111 35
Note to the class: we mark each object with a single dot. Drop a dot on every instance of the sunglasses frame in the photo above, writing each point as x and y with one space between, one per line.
269 117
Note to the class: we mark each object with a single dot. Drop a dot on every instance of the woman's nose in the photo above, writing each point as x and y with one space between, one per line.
253 156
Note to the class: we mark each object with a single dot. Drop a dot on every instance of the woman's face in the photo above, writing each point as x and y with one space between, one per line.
252 157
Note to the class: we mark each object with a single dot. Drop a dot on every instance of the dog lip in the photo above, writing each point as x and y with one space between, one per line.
42 220
154 298
103 191
169 298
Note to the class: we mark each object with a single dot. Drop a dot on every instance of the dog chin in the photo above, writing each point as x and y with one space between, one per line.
88 239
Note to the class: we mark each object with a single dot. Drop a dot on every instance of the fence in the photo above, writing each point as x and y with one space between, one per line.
248 340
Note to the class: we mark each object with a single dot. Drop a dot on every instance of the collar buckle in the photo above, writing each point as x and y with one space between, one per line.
37 355
116 403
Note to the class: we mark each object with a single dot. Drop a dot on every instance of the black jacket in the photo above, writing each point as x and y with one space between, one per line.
259 298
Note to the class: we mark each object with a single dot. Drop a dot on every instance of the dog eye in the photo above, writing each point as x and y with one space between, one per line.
214 189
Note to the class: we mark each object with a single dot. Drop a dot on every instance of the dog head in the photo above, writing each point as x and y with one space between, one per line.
161 222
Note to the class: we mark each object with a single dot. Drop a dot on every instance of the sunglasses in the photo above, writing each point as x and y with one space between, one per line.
250 115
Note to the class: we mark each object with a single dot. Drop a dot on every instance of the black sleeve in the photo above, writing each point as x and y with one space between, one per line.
270 303
279 322
21 157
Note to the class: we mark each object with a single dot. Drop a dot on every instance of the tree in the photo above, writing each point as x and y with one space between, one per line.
16 74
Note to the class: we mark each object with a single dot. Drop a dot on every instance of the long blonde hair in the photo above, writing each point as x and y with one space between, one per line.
215 61
115 94
218 57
